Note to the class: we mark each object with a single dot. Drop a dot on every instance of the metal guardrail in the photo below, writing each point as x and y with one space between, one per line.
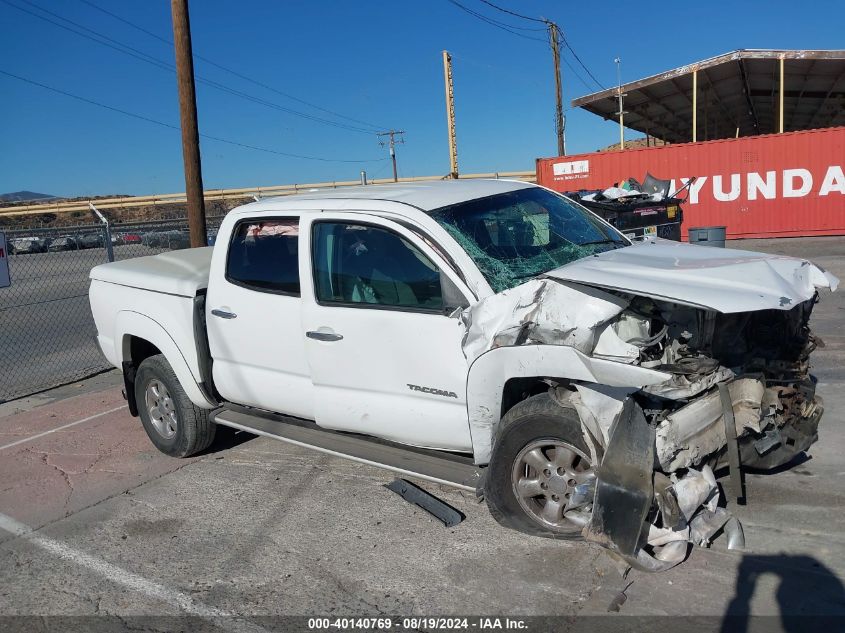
62 206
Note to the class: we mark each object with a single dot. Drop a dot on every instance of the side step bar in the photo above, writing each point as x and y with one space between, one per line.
441 468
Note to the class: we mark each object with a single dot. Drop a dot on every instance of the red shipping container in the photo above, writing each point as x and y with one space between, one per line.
776 185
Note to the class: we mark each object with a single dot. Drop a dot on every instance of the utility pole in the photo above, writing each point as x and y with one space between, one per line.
188 120
621 112
450 115
391 143
560 129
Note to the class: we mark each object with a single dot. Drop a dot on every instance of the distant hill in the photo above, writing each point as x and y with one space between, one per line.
23 196
214 209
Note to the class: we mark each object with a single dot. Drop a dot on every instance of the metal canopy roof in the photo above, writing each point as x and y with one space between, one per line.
736 90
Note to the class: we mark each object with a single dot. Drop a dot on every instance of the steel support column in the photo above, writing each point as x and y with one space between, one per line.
780 98
694 106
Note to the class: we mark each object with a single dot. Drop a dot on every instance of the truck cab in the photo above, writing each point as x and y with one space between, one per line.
343 316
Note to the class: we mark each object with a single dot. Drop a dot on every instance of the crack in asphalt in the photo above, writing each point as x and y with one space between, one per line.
602 580
44 458
94 504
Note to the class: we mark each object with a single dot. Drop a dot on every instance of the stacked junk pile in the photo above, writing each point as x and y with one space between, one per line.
644 210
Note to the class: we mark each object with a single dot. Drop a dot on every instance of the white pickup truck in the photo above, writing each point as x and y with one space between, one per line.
492 335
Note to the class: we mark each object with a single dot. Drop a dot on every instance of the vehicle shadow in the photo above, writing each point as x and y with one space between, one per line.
226 438
809 595
723 472
798 460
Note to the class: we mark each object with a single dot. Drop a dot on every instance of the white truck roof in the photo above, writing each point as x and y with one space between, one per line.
185 272
425 195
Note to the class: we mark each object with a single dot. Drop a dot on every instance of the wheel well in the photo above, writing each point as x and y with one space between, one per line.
518 389
140 349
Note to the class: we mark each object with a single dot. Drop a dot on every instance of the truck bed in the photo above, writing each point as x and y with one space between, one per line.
181 273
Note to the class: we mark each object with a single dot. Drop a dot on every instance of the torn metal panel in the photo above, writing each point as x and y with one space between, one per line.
696 489
600 405
540 311
705 526
612 346
797 435
735 534
624 484
691 433
590 428
727 281
693 518
682 386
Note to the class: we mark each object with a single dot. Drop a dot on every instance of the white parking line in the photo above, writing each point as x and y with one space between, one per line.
63 427
127 579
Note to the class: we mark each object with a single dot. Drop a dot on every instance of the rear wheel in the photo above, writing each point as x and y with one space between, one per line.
174 424
540 480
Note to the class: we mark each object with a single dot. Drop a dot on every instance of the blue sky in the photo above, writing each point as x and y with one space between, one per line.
374 61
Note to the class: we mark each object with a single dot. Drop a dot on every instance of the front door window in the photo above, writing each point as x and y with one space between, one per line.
365 265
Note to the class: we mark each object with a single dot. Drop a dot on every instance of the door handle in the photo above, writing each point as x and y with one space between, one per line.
324 336
223 314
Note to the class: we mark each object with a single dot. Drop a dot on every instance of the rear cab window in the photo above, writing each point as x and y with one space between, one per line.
264 255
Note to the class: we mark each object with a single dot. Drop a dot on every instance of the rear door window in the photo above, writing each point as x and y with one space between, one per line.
264 255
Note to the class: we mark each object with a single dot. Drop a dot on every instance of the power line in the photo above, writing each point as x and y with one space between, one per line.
562 39
513 13
229 70
496 23
578 59
169 67
140 55
575 72
176 127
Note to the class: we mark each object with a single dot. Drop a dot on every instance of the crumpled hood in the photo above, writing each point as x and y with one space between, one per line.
725 280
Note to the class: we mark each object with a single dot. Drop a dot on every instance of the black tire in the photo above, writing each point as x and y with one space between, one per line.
193 431
539 417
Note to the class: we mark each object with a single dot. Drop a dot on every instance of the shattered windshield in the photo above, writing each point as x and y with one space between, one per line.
521 234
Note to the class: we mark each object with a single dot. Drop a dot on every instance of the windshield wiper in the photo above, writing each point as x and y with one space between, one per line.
607 241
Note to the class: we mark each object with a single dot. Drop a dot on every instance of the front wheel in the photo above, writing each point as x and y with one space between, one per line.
174 424
540 480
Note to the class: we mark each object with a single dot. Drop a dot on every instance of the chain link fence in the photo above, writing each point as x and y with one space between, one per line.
47 333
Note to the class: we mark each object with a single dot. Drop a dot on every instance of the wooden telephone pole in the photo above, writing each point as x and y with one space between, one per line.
188 120
560 129
391 143
450 115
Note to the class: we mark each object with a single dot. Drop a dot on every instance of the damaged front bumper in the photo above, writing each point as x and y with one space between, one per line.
727 336
739 394
645 518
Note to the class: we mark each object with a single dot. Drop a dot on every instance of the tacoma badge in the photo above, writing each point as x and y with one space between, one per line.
432 390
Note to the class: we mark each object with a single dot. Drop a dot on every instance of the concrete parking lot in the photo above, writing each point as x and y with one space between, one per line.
94 521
